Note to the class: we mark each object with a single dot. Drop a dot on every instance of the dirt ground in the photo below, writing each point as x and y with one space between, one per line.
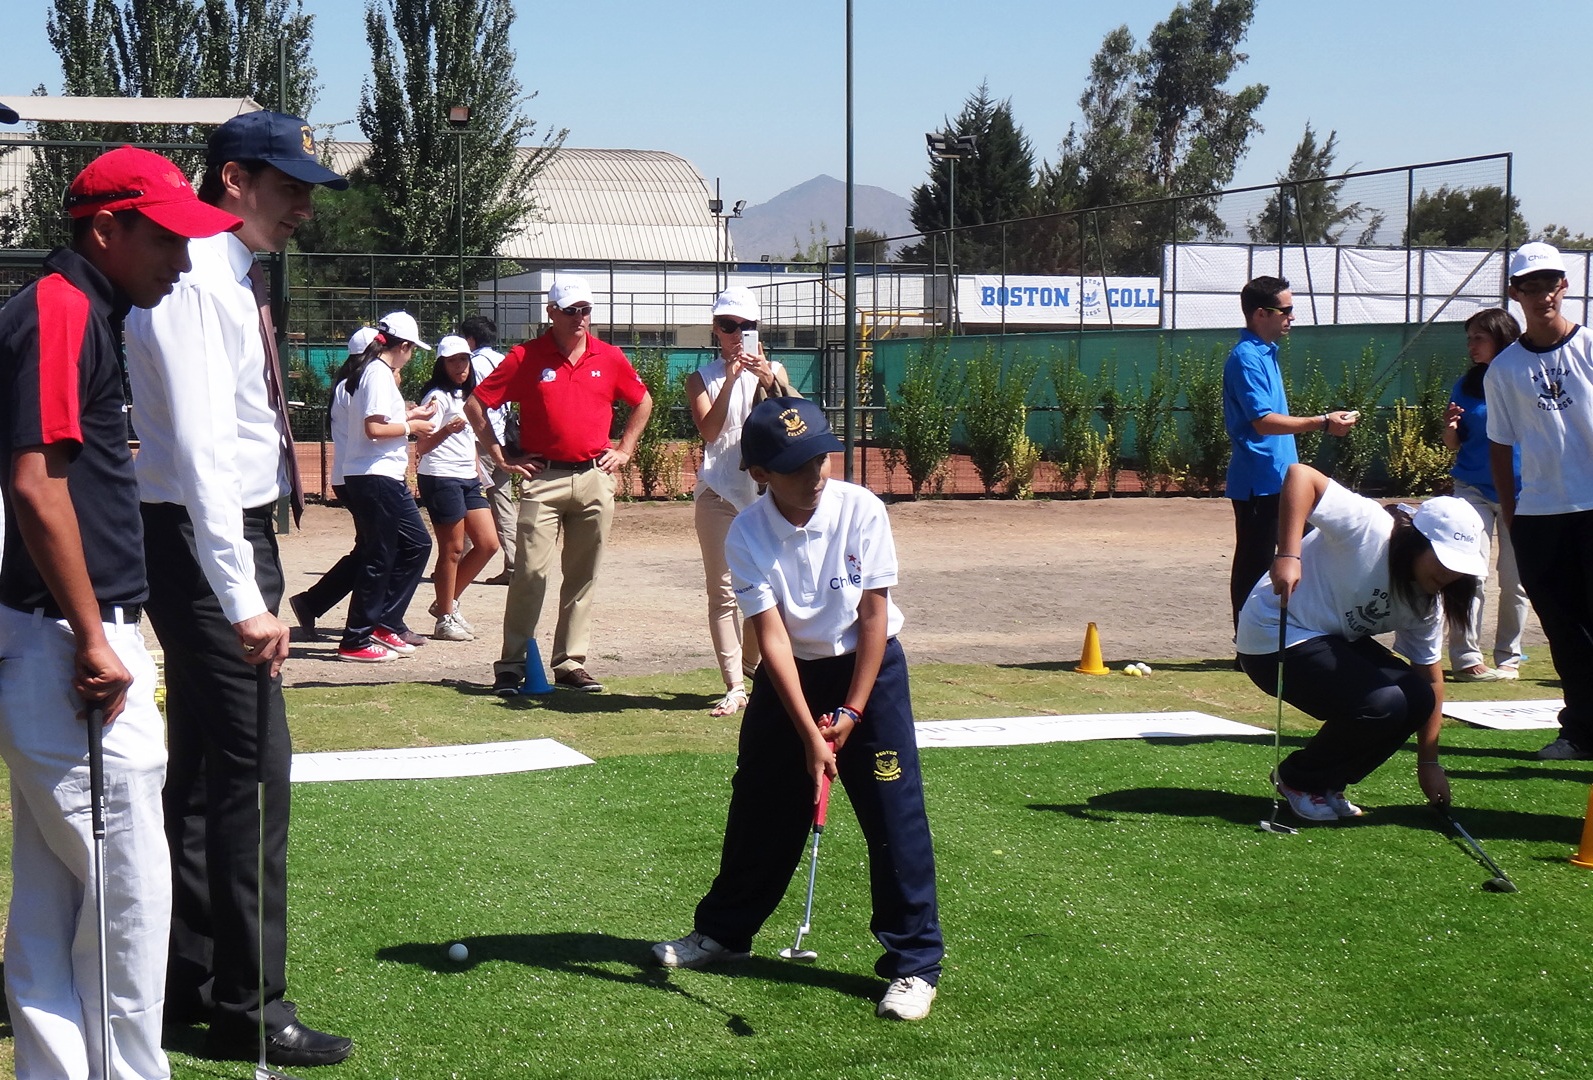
981 582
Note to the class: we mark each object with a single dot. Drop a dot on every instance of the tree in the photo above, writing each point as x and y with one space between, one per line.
447 53
993 184
159 48
1561 237
1158 122
1306 208
1464 217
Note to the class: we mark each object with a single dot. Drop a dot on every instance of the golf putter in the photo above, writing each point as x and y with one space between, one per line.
796 951
96 754
262 700
1272 824
1500 882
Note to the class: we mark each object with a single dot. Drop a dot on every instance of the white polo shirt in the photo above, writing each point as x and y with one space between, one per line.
1344 587
815 573
455 456
377 395
1541 400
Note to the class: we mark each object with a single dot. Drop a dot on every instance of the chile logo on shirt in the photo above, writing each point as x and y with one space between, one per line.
854 573
549 374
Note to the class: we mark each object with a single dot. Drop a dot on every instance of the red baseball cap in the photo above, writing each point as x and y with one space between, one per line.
128 178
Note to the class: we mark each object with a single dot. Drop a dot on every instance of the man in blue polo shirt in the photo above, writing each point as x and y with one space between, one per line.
1256 413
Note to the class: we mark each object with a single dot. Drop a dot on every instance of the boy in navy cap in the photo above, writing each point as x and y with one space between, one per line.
215 460
813 563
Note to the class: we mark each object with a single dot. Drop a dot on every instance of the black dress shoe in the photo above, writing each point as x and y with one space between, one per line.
293 1045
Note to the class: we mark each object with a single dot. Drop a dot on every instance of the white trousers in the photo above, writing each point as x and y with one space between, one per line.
52 938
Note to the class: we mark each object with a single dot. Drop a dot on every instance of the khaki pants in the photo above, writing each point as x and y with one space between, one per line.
735 644
500 495
581 506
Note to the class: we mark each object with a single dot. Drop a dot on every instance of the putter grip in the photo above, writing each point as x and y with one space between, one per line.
96 756
823 806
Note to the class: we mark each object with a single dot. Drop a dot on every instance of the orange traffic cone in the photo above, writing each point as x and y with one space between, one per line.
1090 660
1584 853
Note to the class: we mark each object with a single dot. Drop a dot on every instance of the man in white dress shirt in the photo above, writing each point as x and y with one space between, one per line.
215 460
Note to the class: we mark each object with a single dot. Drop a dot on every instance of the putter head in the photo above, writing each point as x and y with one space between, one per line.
801 956
1278 827
266 1072
1499 884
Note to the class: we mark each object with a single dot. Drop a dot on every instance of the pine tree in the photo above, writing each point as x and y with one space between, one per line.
993 184
1309 213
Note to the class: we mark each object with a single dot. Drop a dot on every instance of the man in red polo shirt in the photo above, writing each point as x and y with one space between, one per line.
566 382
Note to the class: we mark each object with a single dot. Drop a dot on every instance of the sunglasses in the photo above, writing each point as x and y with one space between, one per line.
1280 310
731 326
1539 286
576 311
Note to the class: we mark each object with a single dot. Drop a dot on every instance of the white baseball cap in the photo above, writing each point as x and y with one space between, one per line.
361 339
1534 257
737 301
402 325
569 291
1456 532
453 345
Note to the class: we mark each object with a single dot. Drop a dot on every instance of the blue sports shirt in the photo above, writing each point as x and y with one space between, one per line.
1252 387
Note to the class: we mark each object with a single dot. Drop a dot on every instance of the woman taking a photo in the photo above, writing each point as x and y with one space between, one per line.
721 394
390 537
1364 570
450 488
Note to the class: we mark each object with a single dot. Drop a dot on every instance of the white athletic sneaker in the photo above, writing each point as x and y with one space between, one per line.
450 629
1306 805
1342 806
906 999
695 950
1563 749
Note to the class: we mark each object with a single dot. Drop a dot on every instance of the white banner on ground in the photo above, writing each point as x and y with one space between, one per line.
431 762
1024 300
1507 715
1021 730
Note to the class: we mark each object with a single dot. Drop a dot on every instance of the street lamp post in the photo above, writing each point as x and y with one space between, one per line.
459 120
944 146
716 207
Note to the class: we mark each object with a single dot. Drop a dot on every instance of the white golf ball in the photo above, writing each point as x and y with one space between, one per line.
1144 669
458 953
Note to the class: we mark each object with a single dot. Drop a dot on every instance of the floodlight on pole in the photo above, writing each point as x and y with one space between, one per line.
944 146
716 207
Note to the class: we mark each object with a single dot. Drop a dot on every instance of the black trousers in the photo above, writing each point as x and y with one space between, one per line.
212 821
1255 530
337 582
393 547
1554 554
771 812
1369 701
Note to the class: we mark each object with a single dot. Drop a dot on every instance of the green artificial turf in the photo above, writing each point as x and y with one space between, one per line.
1110 908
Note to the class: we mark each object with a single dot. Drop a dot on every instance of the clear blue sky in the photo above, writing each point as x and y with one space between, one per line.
753 92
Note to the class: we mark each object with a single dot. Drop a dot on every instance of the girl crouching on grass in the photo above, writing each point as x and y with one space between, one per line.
1365 570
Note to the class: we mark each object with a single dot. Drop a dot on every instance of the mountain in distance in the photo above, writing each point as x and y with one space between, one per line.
780 226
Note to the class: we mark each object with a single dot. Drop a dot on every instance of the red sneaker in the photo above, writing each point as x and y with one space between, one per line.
383 636
373 653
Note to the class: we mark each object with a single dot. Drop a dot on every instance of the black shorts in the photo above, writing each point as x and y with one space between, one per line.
448 499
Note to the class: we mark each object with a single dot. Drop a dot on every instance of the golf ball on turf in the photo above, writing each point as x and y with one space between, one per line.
1130 669
458 953
1144 669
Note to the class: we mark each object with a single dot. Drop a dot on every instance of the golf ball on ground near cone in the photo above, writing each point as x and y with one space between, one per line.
1130 669
1144 669
458 953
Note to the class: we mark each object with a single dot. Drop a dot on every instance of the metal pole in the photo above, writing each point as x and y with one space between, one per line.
849 426
459 155
951 248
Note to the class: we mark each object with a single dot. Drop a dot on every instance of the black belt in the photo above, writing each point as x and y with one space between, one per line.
131 613
573 466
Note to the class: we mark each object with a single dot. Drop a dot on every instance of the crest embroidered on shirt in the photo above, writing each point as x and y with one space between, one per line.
549 374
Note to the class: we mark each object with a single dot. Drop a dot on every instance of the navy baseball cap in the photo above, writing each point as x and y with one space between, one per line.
8 115
782 434
287 142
